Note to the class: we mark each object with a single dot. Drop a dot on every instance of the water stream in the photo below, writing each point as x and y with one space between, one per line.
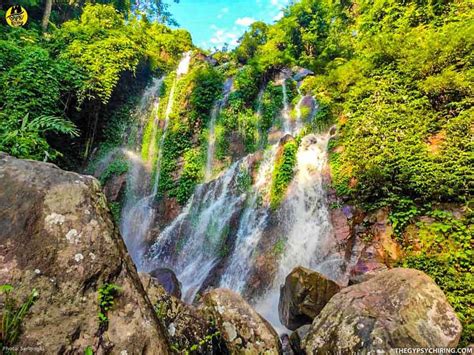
212 126
138 211
286 119
309 238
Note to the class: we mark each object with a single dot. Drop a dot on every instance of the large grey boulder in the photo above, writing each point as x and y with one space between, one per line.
303 296
244 331
57 237
400 308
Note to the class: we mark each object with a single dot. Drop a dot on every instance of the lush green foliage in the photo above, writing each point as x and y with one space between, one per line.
283 173
116 168
106 296
72 74
182 165
443 248
13 315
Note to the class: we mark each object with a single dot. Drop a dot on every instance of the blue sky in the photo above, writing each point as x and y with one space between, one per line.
215 22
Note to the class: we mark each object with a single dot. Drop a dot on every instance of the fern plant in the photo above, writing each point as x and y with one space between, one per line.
28 139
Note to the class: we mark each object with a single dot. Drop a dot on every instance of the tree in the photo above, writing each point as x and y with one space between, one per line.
46 14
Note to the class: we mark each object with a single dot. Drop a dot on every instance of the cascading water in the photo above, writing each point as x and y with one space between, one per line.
212 125
251 227
286 124
137 204
214 241
309 237
138 212
195 238
183 68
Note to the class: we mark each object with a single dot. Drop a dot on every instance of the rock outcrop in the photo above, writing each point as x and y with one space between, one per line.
188 329
296 339
303 296
400 308
168 280
243 329
57 236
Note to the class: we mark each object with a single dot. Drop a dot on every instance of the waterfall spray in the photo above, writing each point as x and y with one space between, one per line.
251 227
197 235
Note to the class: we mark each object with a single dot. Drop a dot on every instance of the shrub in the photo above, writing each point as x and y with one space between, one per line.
283 173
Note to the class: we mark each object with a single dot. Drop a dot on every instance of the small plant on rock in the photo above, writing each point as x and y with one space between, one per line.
107 294
13 316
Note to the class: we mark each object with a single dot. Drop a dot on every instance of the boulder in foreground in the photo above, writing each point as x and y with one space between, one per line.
242 328
57 237
400 308
303 296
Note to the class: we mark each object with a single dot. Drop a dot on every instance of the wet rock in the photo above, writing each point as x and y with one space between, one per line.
365 270
186 326
286 345
168 280
243 329
374 245
400 308
301 73
296 339
303 296
285 139
115 187
57 236
340 222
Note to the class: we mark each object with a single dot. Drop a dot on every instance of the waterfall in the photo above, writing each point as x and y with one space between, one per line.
193 243
299 121
309 237
216 109
251 227
138 212
286 110
259 115
183 68
137 206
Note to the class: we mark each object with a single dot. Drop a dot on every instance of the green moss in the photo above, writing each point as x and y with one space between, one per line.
116 168
279 247
283 173
192 174
115 209
446 254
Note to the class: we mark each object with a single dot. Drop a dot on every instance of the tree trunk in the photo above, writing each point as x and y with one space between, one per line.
46 14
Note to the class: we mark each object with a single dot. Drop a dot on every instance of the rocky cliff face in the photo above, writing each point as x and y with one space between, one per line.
57 236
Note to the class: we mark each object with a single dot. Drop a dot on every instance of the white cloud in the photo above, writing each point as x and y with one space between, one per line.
244 21
279 3
222 36
278 16
222 12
